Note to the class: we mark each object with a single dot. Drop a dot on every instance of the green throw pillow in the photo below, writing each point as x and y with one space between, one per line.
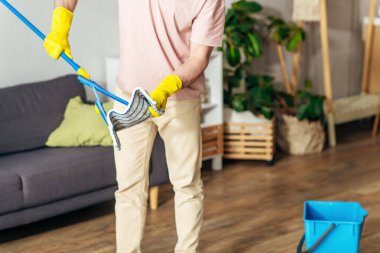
81 126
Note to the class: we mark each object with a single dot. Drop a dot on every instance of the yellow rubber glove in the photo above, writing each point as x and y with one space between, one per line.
170 85
97 110
58 38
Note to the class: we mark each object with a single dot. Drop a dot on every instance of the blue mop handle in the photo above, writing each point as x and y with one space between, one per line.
100 89
73 64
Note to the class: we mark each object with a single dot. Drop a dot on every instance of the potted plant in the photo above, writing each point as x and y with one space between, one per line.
242 43
289 36
249 127
299 113
300 121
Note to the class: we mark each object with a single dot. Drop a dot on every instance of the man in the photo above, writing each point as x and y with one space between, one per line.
165 46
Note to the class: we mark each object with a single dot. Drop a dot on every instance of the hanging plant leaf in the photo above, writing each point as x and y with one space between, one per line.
247 7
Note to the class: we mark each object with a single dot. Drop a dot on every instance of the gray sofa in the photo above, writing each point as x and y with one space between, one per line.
37 182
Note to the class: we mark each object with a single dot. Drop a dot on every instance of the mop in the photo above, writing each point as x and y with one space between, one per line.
137 109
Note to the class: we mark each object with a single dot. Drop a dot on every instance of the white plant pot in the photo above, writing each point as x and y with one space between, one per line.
233 116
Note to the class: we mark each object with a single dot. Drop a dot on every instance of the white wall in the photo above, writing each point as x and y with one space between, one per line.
94 36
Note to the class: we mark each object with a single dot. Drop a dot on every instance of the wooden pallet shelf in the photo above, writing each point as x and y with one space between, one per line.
251 141
212 141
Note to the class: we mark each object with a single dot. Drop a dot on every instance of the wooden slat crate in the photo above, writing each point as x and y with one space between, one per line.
251 141
212 140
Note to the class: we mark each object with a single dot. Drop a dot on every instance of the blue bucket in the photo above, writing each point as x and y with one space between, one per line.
334 227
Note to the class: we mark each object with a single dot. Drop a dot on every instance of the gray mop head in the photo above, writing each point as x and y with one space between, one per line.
137 111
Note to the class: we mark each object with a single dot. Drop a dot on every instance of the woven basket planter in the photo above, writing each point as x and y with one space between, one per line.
250 141
299 137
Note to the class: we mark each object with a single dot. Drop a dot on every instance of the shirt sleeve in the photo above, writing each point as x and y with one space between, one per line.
208 25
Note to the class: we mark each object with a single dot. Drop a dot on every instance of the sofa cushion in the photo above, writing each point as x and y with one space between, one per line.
11 196
30 112
81 126
51 174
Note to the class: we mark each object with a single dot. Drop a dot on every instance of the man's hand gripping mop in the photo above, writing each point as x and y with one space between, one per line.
140 108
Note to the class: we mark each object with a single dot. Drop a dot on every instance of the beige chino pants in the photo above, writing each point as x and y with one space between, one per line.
180 129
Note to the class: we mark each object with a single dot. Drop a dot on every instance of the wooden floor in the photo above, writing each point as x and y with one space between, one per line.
249 207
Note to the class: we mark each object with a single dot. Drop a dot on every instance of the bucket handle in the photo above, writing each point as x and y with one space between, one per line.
299 248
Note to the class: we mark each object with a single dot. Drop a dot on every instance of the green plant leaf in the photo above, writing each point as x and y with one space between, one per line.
227 98
274 23
239 102
264 81
251 81
267 112
243 28
268 79
281 34
231 18
233 55
261 99
239 72
271 18
316 108
294 41
247 7
262 96
308 84
236 39
302 112
233 82
287 98
309 106
254 45
304 95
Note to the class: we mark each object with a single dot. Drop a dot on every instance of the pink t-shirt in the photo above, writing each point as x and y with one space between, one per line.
155 38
